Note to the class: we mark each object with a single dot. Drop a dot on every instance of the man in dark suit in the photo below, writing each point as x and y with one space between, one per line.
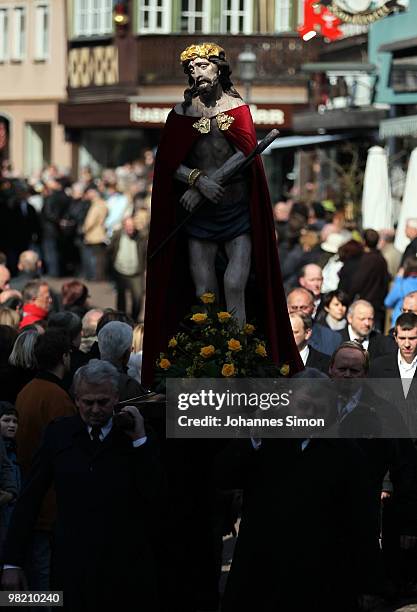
365 415
322 338
401 365
302 327
360 328
107 479
399 386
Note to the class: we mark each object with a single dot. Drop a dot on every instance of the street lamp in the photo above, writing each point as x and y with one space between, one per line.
247 69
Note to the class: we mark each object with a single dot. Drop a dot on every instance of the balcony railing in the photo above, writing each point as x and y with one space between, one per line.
278 57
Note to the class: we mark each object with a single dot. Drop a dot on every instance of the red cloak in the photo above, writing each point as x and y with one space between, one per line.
169 288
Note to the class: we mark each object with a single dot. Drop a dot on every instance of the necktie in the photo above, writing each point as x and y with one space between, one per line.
95 436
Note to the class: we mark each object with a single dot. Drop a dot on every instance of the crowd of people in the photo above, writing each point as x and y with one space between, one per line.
94 228
112 513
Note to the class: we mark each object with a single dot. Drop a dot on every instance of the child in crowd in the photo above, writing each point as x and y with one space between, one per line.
10 477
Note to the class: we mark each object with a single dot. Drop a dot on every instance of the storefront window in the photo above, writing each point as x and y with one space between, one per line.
283 15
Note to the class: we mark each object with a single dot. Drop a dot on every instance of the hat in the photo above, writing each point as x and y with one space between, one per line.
334 241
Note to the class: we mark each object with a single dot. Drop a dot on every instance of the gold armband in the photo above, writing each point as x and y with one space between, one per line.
193 176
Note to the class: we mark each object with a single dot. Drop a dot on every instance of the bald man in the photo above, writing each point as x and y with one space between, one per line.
29 266
311 278
4 278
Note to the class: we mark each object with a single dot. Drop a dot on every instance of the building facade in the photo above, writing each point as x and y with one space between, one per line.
33 83
124 72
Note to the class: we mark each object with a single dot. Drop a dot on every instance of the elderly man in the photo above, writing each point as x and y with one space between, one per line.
37 302
29 267
89 329
115 345
206 135
106 479
410 302
311 278
322 339
360 328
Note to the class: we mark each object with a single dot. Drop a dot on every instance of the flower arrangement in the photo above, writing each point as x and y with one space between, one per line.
211 344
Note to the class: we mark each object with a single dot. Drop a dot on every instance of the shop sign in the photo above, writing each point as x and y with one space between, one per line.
325 16
158 115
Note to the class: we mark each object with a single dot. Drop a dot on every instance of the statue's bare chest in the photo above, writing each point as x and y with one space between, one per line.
212 149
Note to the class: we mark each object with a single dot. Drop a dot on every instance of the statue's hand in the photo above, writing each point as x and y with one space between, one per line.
190 199
209 189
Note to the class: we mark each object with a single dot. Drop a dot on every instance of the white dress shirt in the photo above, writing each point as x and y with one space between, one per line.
354 337
304 354
407 371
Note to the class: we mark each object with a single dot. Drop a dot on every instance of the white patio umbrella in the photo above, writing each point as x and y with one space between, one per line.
376 194
408 208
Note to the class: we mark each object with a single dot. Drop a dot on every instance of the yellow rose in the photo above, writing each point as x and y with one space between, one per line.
234 345
165 364
199 317
285 369
228 369
248 329
172 343
208 298
207 351
223 316
261 350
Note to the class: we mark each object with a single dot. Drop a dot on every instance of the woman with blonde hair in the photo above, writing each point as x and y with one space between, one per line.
9 317
134 366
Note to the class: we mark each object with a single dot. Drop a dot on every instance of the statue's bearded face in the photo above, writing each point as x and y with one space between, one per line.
205 74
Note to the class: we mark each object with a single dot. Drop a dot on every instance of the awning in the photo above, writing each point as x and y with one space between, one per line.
289 142
399 45
400 126
341 67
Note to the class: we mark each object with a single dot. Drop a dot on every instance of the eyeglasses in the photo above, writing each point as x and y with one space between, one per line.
297 308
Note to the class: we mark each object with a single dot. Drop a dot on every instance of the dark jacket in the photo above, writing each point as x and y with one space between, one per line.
54 209
103 554
378 343
386 368
318 360
370 279
316 505
410 251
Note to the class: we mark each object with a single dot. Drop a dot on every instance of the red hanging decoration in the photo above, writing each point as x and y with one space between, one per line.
319 20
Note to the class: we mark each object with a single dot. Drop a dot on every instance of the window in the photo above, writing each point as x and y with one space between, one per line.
4 33
236 16
195 16
154 16
93 17
41 31
283 16
403 75
300 12
18 48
